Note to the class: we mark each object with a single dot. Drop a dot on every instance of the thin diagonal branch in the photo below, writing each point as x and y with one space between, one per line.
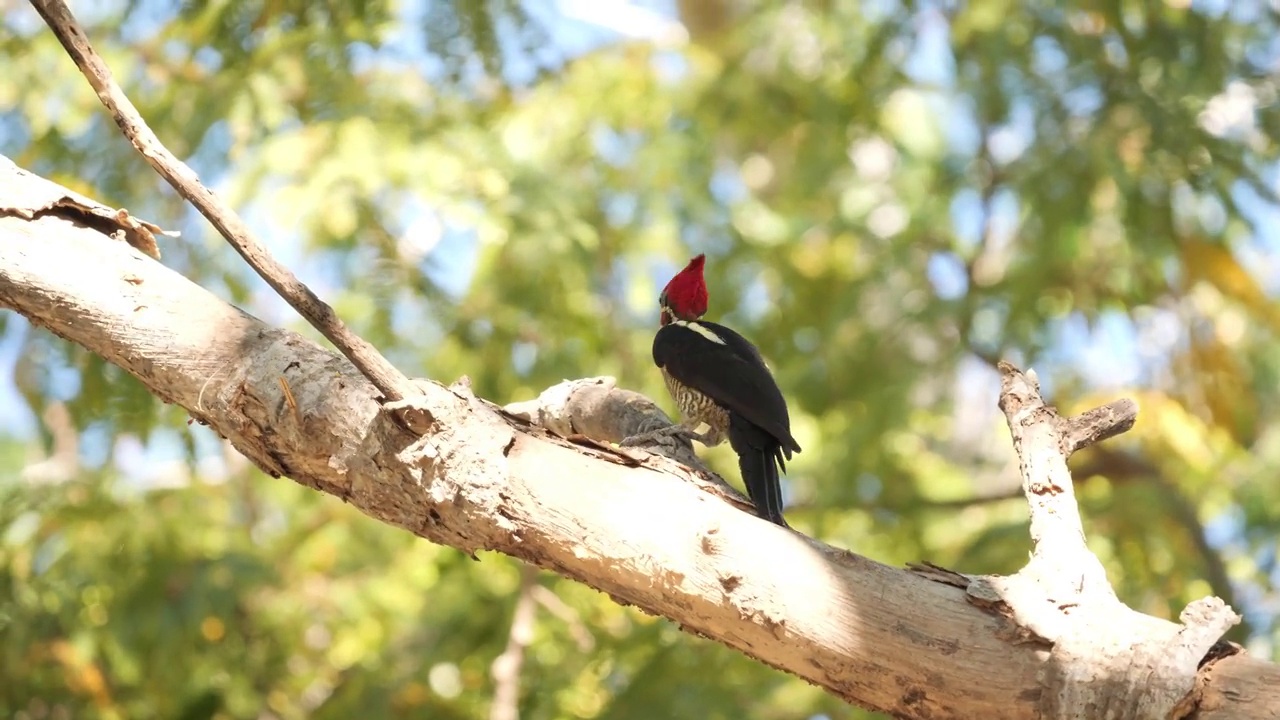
506 667
390 382
1120 467
578 630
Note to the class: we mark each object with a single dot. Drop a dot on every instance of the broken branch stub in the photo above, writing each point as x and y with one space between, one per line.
1060 560
1094 426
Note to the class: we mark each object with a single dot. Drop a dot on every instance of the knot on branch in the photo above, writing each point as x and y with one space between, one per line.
598 410
594 407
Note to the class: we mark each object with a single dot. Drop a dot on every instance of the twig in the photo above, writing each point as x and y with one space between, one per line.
1098 424
506 667
552 603
63 463
384 376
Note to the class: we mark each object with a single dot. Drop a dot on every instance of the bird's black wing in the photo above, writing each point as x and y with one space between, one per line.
729 370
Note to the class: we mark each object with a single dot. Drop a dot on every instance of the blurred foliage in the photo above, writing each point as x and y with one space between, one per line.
891 194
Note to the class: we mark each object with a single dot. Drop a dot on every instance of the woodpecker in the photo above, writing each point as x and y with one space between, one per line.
718 378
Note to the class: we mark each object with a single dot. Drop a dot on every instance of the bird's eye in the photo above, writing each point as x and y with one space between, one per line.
662 299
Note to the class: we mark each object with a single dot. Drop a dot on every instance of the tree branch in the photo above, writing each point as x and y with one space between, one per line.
507 666
1060 559
636 529
1107 660
384 376
578 630
928 643
1098 424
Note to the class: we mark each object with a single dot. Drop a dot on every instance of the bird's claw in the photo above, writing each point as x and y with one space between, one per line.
655 437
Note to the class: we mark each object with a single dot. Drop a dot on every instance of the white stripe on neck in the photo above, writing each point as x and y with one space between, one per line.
701 329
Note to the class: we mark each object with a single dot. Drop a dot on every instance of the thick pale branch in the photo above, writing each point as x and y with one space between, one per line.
912 644
594 407
1235 687
384 376
876 636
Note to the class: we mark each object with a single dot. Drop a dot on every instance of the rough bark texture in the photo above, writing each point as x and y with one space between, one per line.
926 643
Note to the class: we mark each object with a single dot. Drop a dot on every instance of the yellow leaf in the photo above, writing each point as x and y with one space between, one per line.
1215 264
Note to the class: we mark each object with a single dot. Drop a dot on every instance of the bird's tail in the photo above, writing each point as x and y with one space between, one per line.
759 456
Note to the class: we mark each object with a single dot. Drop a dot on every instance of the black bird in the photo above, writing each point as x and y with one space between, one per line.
717 377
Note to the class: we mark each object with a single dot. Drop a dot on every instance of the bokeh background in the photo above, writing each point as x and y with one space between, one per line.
892 195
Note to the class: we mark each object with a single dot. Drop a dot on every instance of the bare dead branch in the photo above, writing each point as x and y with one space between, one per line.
480 480
1232 686
1138 666
1098 424
1059 556
29 196
384 376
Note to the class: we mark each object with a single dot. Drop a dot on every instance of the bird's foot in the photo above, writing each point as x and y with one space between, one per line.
655 437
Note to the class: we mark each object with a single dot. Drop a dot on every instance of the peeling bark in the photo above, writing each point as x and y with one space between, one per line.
924 643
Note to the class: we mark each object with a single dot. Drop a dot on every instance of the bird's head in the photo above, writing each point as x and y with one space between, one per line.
685 297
